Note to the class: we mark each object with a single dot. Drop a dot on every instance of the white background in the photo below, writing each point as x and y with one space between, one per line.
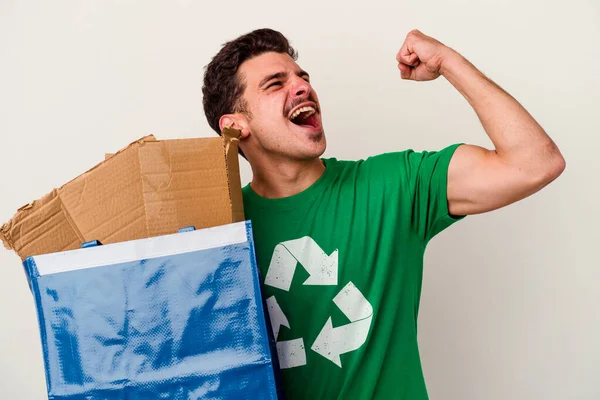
510 306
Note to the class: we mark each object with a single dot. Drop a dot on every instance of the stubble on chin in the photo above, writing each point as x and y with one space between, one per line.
317 137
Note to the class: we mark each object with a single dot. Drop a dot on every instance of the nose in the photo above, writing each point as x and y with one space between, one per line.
300 87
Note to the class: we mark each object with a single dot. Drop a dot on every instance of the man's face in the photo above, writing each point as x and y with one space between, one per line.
284 113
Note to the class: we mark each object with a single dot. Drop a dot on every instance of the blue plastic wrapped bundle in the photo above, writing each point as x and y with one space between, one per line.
170 317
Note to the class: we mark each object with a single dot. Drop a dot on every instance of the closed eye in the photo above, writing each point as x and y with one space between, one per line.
276 83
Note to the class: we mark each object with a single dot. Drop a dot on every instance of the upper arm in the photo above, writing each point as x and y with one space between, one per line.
480 181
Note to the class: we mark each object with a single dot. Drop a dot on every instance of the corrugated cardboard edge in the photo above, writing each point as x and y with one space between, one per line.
5 240
6 229
5 236
231 139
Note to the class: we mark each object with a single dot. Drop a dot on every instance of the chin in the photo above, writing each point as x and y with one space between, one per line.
310 140
317 144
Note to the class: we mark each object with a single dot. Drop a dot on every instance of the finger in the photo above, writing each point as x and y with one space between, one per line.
403 52
406 54
412 59
406 72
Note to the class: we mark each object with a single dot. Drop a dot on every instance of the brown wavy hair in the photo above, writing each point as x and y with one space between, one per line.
223 88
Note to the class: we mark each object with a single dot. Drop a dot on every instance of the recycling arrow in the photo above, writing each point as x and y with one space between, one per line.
276 316
332 342
322 268
291 353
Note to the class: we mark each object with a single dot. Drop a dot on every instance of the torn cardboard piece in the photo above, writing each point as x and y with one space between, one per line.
149 188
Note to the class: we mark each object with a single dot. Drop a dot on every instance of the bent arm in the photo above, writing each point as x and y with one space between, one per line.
525 158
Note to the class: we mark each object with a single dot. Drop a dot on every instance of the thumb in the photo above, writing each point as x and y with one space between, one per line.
406 55
406 71
410 59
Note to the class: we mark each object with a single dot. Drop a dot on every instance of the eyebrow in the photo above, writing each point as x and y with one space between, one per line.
280 75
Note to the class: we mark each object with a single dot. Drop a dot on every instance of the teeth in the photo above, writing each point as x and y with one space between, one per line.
309 110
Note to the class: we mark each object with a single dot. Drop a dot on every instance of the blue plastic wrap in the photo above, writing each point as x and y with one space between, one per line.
189 325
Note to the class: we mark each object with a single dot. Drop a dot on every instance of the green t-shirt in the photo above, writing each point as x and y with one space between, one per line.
342 264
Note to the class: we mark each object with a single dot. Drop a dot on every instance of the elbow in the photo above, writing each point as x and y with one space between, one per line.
559 166
552 168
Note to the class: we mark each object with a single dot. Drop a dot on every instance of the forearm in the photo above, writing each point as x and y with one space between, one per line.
518 139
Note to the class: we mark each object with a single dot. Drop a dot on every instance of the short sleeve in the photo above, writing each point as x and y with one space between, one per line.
425 176
415 184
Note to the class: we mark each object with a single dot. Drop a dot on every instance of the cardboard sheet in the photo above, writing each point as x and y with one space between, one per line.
151 187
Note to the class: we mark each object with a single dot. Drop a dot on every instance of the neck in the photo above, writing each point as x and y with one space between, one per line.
284 178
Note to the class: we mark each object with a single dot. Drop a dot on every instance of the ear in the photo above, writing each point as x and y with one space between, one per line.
236 121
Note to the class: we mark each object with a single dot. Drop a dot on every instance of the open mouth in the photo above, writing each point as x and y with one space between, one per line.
305 117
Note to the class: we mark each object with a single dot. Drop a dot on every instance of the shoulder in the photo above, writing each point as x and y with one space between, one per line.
411 161
394 166
366 173
376 166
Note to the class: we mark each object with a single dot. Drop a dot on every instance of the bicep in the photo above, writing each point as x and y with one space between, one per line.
480 181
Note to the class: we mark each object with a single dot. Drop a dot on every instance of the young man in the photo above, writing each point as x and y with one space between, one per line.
340 244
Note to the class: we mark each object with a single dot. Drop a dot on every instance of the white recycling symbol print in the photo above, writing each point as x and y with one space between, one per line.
323 270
